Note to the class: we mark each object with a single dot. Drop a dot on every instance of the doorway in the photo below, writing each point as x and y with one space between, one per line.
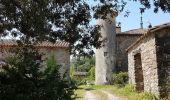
138 73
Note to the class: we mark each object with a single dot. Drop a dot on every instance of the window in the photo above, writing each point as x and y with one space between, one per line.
105 54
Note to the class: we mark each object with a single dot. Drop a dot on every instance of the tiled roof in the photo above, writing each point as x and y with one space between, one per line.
135 31
150 31
10 42
56 44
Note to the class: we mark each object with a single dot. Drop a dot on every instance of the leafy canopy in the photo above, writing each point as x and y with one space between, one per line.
67 20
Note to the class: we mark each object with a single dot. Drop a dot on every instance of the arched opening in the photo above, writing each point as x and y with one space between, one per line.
138 73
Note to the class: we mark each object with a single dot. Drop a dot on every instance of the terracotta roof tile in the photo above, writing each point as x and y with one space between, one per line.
150 31
135 31
10 42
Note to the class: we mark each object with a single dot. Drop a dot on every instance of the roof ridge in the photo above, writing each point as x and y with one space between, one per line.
11 42
151 30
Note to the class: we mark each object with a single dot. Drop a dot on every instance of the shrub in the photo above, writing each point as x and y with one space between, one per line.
22 78
120 78
91 74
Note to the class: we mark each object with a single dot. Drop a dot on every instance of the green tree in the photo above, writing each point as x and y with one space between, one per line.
83 63
67 20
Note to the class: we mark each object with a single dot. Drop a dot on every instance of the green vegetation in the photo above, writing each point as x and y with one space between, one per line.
120 79
91 74
85 65
24 78
67 20
79 93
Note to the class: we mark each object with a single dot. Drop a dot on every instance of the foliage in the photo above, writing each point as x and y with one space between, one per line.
23 79
50 20
82 65
72 72
91 74
67 20
120 78
89 79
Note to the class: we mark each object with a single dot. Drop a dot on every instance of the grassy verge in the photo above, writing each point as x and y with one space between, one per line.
80 92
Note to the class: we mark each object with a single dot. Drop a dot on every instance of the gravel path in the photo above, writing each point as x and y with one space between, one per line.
90 96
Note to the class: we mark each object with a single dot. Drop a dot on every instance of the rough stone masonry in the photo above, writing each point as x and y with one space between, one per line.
149 62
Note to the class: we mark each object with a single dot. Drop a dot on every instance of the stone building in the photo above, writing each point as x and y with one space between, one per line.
123 41
59 49
149 61
112 56
144 53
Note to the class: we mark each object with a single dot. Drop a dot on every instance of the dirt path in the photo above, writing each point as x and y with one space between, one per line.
90 96
111 96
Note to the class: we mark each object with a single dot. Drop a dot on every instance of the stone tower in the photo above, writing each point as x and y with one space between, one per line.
105 56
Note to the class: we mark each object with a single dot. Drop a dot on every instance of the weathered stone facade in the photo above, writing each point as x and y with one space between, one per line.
59 50
163 61
62 57
105 55
123 41
148 61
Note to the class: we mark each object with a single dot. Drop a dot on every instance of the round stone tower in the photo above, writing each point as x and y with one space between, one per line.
105 55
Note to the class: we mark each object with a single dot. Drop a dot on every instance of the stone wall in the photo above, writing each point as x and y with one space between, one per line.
62 56
147 49
163 59
123 41
105 55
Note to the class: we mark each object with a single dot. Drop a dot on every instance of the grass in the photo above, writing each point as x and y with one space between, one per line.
80 92
125 93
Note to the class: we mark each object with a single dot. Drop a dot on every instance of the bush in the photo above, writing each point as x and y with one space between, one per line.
22 78
91 74
120 79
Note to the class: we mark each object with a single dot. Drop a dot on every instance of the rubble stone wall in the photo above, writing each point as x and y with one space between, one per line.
147 50
122 43
62 56
163 59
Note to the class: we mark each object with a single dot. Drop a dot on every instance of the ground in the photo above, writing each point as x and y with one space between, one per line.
110 92
95 93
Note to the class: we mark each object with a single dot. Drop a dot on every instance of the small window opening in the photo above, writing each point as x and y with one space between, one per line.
105 54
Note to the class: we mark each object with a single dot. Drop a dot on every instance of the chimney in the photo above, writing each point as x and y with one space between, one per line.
118 29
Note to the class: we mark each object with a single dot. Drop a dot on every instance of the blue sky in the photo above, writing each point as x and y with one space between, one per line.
133 20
